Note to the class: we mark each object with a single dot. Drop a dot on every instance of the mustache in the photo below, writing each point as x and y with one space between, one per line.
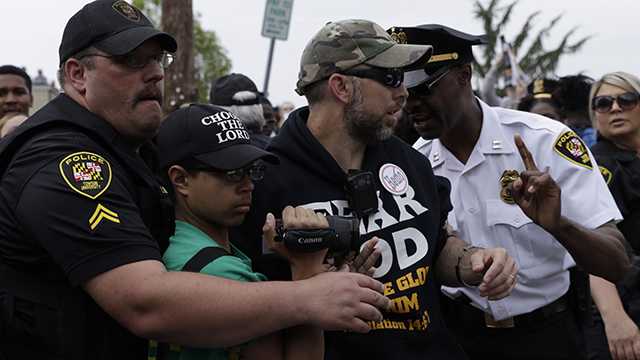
150 93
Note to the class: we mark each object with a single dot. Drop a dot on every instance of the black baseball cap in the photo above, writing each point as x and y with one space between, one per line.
450 47
209 134
224 91
113 26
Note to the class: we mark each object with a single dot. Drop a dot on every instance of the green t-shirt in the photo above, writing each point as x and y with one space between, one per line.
183 245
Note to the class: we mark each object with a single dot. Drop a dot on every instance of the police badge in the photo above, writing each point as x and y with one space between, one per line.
398 36
126 10
507 177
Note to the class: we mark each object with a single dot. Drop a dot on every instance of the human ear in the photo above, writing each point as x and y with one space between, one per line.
75 75
341 87
179 178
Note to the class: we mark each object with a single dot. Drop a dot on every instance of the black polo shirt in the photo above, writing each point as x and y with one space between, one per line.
75 202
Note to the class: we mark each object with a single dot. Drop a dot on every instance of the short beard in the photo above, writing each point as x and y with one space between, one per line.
364 126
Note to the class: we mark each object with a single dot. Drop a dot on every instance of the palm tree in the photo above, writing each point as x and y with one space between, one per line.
537 60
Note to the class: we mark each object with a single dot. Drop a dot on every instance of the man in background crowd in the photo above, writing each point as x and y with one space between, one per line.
15 94
239 94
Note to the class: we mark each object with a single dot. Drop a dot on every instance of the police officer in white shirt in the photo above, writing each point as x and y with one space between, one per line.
501 197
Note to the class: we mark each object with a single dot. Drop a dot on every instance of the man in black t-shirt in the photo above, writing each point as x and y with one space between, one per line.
351 74
83 221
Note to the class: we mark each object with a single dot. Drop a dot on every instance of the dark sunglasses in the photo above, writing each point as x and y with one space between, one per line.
255 172
426 88
626 101
392 77
137 60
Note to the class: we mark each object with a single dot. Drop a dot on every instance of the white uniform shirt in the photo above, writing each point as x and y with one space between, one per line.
482 218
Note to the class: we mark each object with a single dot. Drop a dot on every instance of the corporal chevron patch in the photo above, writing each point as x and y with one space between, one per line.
102 213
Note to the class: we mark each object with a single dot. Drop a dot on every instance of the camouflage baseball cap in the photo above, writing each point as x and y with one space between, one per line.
341 45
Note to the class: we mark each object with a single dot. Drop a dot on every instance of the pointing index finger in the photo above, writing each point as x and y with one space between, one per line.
527 158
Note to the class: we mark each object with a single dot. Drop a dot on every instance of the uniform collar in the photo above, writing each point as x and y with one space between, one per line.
84 118
492 141
437 154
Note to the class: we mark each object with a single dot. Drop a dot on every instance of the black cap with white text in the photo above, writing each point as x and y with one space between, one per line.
209 134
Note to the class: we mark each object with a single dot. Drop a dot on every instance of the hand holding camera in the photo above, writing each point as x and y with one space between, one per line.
303 264
304 238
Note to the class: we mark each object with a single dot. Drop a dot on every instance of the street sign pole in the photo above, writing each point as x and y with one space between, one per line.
265 88
275 25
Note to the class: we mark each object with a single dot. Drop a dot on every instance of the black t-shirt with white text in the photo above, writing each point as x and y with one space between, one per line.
412 207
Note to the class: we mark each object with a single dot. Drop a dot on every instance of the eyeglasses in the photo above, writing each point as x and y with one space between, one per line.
626 101
255 172
138 60
391 77
426 88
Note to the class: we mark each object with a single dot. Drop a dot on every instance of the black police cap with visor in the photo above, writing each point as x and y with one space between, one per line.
115 27
450 48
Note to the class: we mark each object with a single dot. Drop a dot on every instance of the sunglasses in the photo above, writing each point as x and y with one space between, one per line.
390 77
626 101
255 172
426 88
137 60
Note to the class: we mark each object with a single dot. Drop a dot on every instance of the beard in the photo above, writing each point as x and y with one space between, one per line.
364 126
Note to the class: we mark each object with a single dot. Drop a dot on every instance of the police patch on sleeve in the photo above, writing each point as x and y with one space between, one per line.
86 173
571 147
606 174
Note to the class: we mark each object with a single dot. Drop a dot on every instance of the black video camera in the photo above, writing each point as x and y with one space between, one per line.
341 236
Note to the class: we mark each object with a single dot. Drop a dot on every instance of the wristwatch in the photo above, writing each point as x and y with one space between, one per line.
470 249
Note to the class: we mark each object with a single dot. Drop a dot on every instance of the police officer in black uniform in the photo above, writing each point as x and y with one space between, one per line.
615 110
82 224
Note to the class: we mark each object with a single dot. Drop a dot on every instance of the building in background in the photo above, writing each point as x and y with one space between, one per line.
43 91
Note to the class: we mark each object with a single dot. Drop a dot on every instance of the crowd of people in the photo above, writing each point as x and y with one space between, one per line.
479 227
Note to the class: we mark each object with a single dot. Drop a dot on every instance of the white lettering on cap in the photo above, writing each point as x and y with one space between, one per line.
229 126
218 117
231 135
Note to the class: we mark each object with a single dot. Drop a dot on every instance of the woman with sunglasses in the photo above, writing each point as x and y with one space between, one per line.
616 116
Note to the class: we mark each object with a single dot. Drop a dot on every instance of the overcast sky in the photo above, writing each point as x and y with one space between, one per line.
30 31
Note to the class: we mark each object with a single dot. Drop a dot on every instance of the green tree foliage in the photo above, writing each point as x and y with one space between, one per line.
535 58
211 60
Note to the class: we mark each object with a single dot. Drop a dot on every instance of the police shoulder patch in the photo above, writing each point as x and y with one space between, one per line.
571 147
606 174
86 173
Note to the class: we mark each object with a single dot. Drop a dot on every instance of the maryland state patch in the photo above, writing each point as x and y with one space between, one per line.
606 174
86 173
571 147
